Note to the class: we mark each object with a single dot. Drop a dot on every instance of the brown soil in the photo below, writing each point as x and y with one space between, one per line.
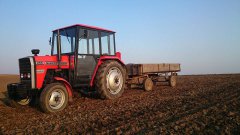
208 104
6 79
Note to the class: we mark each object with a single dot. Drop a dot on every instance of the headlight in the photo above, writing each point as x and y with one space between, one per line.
21 75
28 75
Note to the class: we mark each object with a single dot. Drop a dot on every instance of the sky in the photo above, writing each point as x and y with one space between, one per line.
202 35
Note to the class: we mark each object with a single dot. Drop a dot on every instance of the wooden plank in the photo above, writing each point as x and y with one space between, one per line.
149 68
139 69
174 67
163 67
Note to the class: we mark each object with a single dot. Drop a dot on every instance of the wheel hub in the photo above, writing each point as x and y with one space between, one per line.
114 80
56 99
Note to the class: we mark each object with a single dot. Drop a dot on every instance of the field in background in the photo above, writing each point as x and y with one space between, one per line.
6 79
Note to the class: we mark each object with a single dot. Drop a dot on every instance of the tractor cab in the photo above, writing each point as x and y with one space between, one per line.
84 45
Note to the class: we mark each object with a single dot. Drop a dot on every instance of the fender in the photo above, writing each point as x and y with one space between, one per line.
117 57
68 87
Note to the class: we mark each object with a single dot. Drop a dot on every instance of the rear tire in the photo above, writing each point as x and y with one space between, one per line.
110 80
53 98
148 84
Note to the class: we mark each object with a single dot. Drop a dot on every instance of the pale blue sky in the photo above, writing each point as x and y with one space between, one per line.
202 35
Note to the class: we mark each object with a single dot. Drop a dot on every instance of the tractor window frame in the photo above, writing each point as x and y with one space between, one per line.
92 42
54 45
108 47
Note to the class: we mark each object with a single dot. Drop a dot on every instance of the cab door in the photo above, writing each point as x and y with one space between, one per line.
87 58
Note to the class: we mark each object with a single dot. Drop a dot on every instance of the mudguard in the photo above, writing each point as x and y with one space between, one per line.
68 87
103 58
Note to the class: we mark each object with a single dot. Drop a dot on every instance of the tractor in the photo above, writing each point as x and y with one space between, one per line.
82 57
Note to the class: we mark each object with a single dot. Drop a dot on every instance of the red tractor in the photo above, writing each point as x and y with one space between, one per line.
82 57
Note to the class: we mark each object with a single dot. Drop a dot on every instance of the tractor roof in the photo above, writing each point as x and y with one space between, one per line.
87 26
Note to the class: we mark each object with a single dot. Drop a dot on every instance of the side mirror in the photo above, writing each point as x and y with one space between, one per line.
85 34
35 52
50 41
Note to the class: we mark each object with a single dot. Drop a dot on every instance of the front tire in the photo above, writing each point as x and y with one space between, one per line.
110 80
53 98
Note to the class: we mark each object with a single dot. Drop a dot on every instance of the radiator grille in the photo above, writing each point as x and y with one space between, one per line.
25 70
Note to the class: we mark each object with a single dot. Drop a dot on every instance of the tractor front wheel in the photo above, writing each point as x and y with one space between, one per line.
110 80
53 98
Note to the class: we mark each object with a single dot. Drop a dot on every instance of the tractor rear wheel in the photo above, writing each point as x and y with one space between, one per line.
53 98
110 80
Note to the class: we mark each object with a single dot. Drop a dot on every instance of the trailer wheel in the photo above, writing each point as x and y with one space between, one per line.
53 98
110 80
173 81
148 84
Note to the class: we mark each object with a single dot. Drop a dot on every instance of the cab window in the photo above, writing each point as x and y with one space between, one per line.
67 37
89 44
67 40
107 40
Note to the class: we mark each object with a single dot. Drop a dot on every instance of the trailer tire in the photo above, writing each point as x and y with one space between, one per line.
51 95
110 80
148 84
173 81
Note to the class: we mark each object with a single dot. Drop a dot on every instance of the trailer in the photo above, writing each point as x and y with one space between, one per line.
148 75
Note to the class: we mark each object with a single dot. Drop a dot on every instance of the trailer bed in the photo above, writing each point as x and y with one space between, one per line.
141 69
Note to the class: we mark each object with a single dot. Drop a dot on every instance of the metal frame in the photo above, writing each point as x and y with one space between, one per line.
109 49
88 42
114 42
33 78
100 42
52 46
93 48
59 51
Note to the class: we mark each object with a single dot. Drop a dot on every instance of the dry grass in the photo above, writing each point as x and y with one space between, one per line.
6 79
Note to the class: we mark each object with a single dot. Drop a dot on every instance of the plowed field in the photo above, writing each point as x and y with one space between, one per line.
206 104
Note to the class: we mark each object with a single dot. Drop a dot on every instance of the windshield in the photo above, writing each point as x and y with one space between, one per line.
67 40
